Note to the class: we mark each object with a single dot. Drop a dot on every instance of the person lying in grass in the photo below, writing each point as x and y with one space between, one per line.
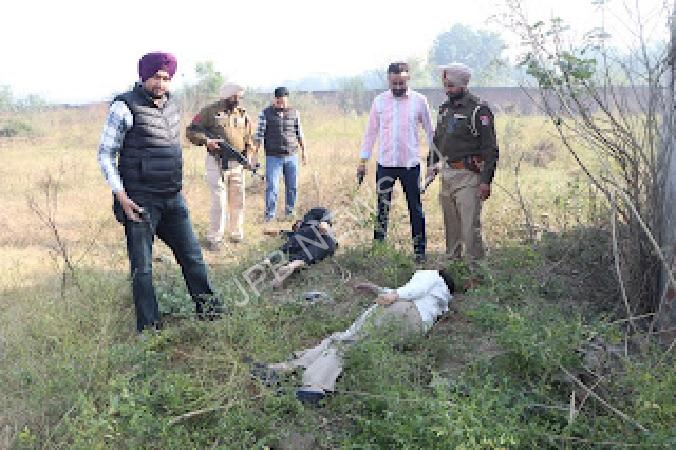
311 240
398 314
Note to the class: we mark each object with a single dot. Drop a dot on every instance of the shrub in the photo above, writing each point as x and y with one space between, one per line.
16 128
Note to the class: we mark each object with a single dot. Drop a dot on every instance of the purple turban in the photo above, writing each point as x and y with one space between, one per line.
150 63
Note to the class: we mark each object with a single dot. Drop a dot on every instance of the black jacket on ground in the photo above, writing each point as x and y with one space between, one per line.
306 242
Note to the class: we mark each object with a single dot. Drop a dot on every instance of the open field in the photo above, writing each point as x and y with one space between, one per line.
73 373
62 156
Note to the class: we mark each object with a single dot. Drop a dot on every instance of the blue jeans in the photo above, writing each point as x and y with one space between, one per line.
274 165
169 220
410 182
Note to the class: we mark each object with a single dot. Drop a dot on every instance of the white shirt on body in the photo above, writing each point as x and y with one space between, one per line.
430 294
426 289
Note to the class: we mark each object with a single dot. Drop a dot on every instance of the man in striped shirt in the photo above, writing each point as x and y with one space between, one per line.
394 118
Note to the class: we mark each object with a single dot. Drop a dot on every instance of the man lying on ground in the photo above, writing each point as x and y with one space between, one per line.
310 240
405 313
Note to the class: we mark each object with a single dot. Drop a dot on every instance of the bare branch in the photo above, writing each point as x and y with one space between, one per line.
625 417
616 256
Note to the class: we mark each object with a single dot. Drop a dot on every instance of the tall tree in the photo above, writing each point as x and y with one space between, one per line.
420 75
209 82
481 50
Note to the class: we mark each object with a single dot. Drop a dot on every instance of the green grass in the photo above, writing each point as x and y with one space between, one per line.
73 374
114 391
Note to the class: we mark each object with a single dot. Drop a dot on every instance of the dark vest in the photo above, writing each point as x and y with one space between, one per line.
457 123
280 131
151 160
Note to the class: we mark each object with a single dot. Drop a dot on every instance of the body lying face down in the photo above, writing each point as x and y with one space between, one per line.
312 238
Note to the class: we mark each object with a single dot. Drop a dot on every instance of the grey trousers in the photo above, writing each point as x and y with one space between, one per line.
324 363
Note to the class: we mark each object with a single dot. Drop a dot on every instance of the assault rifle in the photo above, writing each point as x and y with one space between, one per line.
227 152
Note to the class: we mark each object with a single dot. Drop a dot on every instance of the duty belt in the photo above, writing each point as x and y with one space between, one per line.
471 163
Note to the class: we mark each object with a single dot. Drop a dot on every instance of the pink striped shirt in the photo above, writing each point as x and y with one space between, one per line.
394 121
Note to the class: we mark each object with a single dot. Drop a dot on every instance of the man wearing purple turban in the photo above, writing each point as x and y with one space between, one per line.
142 134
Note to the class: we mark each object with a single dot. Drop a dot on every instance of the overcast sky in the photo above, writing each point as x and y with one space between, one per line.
79 51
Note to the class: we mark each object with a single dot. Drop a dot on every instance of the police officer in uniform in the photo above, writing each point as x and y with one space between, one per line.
465 152
143 128
219 121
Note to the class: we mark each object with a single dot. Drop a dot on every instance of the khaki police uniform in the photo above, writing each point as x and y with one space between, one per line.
466 144
226 187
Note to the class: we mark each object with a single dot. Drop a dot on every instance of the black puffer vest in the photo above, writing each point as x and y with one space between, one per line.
280 131
151 160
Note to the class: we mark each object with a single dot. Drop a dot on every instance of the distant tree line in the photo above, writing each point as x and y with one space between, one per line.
9 102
